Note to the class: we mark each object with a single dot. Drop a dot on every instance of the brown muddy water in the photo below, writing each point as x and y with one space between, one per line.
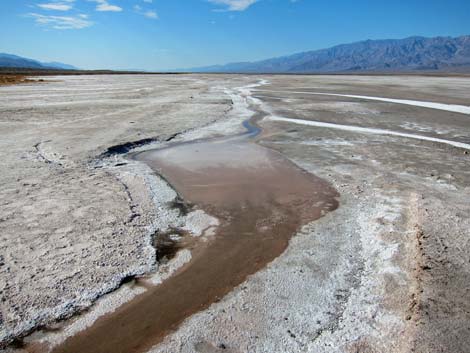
261 200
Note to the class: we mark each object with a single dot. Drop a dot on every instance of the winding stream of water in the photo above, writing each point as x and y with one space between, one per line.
261 200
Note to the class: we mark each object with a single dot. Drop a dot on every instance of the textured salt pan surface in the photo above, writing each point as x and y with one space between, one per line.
440 106
369 131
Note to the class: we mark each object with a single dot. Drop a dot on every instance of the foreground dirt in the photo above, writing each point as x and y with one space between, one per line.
13 79
386 272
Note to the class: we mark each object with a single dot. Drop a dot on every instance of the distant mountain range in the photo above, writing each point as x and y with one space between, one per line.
14 61
390 55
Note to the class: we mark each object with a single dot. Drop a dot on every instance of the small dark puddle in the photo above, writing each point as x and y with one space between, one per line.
128 146
261 200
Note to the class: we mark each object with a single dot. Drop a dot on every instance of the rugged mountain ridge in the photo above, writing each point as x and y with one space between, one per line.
409 54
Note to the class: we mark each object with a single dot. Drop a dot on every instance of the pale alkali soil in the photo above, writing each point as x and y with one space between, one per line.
388 271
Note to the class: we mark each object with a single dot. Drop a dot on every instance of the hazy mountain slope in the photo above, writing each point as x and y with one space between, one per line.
15 61
8 60
410 54
58 65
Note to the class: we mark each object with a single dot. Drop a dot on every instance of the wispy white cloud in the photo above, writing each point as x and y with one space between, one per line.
56 6
108 7
104 5
151 14
234 5
62 22
147 13
148 1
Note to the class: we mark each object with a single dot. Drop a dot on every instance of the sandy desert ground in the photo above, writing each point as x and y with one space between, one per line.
387 271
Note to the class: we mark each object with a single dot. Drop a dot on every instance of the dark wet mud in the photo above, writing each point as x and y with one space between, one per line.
261 200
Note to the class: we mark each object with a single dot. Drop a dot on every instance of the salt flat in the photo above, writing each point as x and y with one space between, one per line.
387 271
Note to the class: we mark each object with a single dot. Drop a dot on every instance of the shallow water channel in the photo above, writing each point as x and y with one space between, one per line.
261 200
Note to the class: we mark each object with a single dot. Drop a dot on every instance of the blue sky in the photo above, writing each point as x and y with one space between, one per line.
166 34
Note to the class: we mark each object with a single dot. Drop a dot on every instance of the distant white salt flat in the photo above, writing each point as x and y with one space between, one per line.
463 109
367 130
